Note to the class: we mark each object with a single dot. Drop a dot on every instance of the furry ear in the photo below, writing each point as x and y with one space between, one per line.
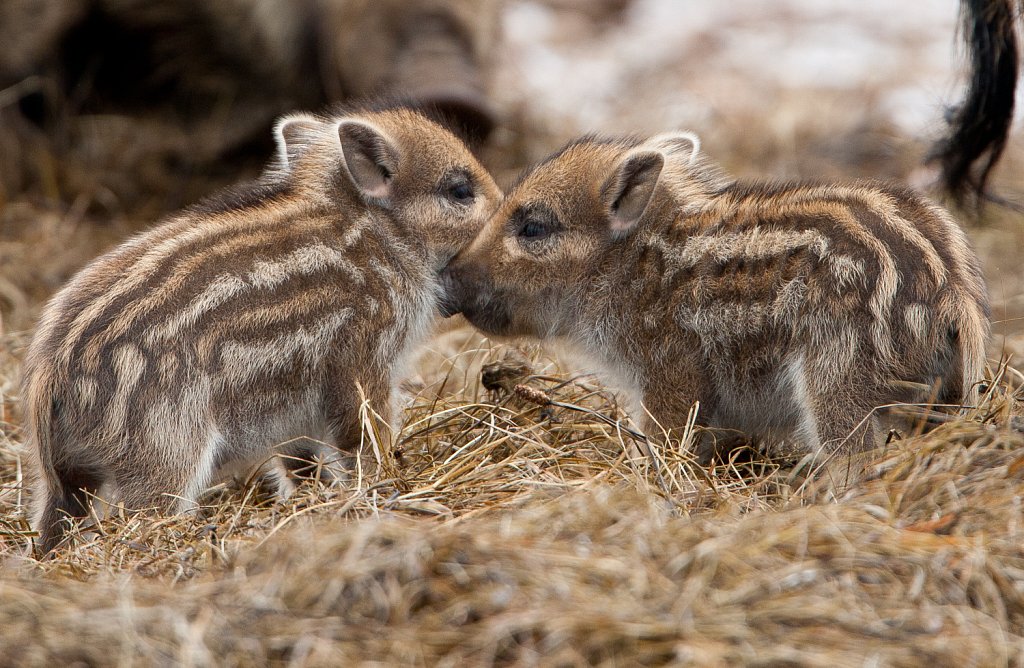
628 190
370 158
294 134
684 146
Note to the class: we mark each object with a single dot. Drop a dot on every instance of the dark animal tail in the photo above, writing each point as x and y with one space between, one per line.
980 125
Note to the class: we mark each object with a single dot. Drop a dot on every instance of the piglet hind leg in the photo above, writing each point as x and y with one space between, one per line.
306 459
845 429
62 501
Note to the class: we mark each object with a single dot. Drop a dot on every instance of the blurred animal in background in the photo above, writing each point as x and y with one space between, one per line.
181 85
252 324
147 91
788 312
980 125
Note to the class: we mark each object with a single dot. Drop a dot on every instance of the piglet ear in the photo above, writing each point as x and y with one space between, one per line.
294 134
628 190
678 146
370 159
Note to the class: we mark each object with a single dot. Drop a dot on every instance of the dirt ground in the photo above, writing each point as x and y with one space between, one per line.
498 531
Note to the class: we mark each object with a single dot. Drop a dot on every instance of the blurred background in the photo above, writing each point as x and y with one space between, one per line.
116 112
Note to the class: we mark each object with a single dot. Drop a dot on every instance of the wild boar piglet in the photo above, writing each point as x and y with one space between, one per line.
788 310
251 320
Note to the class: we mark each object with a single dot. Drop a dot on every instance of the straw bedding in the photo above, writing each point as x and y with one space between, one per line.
503 531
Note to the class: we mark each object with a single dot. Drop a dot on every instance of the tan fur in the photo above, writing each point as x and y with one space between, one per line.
250 320
786 310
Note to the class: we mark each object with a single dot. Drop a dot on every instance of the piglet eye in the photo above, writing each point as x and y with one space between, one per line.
533 229
461 192
532 223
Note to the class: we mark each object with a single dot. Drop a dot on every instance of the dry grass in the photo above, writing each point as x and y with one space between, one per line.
503 531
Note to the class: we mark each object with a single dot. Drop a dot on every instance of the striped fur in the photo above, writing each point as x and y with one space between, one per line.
789 311
250 320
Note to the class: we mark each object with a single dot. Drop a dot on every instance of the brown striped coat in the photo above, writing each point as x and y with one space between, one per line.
251 320
788 311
